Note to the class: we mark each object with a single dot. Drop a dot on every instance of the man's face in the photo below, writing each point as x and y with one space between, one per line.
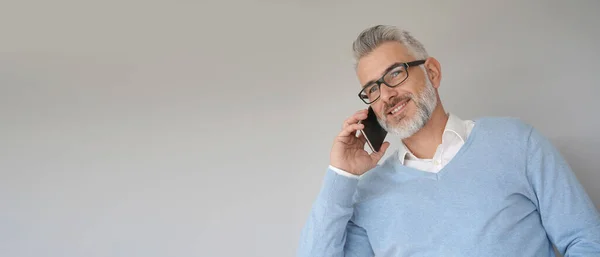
404 109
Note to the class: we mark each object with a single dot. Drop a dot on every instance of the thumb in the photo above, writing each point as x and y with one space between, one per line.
376 156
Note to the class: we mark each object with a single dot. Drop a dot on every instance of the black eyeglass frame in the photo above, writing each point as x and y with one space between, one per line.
382 81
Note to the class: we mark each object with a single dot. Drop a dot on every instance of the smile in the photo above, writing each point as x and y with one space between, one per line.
398 108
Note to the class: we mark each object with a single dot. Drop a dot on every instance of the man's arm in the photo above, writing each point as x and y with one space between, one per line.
568 214
329 231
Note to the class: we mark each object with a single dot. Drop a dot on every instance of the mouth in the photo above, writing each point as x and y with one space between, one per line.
398 108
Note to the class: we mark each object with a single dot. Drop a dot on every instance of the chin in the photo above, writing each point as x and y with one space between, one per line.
403 126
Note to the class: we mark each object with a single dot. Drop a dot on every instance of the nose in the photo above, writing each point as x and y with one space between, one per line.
387 93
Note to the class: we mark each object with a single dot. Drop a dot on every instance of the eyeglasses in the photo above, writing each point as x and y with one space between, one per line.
394 76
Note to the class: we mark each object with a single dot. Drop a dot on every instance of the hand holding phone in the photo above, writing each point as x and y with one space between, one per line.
372 131
348 152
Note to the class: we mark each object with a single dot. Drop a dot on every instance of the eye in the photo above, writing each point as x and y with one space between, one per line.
372 89
396 72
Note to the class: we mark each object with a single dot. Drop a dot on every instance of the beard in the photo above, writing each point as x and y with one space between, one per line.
404 126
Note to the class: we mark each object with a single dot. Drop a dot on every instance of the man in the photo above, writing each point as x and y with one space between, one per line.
487 187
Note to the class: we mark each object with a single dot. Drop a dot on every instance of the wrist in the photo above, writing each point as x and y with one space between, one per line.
338 190
343 172
345 169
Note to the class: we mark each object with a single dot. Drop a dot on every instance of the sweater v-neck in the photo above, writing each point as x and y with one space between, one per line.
399 167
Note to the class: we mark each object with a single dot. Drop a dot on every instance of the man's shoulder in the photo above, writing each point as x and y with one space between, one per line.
503 124
501 135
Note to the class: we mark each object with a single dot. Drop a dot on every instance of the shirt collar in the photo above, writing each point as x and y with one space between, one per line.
455 127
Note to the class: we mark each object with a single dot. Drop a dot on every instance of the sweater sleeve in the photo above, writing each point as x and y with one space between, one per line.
328 232
567 212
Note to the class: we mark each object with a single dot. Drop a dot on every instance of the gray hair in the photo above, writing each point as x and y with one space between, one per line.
372 37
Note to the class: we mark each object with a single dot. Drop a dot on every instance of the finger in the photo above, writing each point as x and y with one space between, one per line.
376 156
348 130
361 138
358 116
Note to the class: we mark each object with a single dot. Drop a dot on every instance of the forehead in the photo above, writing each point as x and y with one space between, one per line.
371 66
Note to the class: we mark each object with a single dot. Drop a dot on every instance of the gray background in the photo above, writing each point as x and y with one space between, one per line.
179 128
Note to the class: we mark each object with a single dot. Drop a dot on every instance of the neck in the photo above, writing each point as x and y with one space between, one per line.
424 143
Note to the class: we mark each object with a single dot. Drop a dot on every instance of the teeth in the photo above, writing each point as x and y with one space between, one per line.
398 108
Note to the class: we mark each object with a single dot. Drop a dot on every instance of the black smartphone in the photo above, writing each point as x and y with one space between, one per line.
373 132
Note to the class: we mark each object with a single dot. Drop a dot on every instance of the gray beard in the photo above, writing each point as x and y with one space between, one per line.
408 126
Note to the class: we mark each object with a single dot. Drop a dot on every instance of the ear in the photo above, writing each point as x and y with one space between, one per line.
434 71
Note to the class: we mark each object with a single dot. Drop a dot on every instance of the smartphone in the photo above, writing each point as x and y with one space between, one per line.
373 132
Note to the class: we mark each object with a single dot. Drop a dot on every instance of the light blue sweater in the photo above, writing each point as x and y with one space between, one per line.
507 192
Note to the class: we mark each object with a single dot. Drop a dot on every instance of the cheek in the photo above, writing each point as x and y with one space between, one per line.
412 107
415 83
378 108
416 90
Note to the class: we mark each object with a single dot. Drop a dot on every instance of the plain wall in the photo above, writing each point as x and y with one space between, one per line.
186 128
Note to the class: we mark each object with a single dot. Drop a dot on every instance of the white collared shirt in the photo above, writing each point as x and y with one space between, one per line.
453 138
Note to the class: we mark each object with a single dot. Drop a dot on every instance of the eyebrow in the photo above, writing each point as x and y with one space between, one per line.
383 73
